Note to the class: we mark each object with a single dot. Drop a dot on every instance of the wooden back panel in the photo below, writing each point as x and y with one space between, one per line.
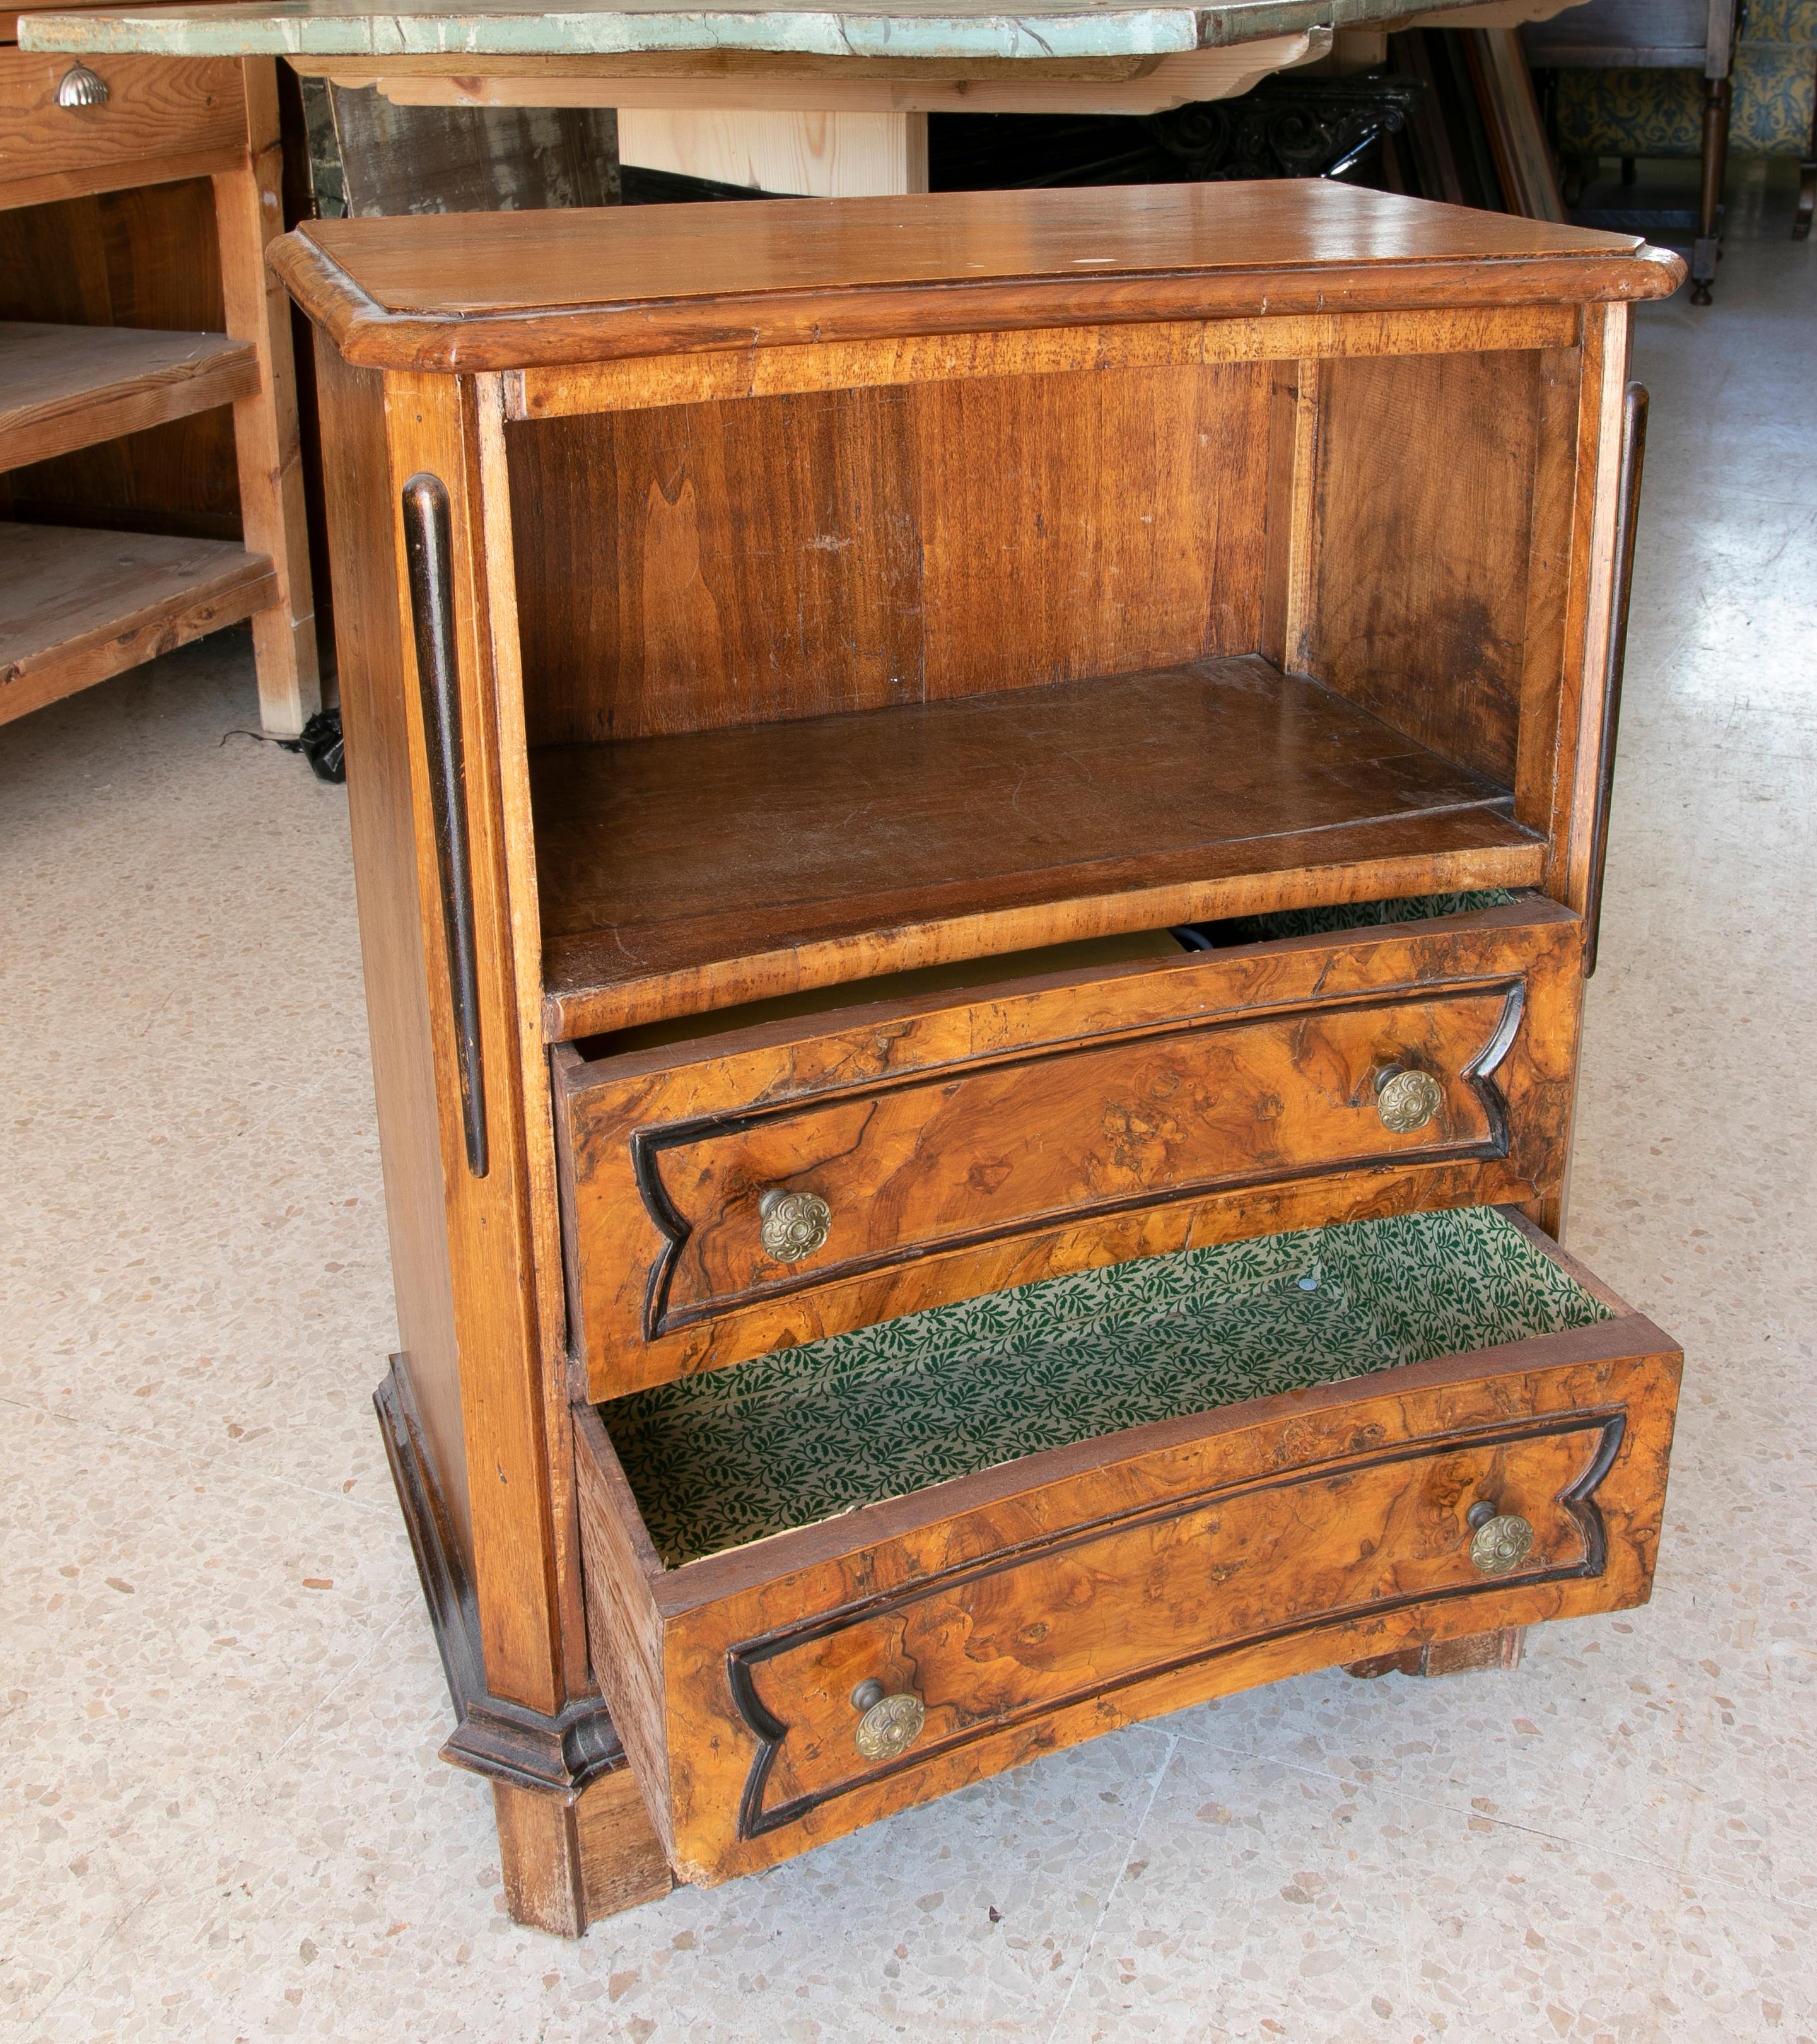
697 566
145 257
1423 592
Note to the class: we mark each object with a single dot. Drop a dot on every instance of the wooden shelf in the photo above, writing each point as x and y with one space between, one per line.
683 874
65 387
76 606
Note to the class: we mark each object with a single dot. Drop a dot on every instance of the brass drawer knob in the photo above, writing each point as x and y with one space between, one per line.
794 1224
890 1724
1406 1100
1500 1541
79 86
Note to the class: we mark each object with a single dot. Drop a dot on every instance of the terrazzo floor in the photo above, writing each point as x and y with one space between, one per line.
220 1705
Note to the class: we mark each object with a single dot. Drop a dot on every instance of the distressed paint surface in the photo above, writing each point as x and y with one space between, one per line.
900 28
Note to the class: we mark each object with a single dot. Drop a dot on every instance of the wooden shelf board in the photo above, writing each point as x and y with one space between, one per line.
65 387
681 874
76 606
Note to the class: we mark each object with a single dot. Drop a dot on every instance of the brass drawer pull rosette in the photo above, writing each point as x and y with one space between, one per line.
1500 1541
890 1725
1406 1100
794 1224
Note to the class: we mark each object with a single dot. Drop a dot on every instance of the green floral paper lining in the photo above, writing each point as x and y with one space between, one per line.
1360 915
734 1455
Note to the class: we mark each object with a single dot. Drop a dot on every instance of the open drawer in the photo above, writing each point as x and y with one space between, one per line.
732 1194
853 1576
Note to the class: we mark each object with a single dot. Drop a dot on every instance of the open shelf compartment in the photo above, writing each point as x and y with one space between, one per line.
77 605
67 387
731 866
824 686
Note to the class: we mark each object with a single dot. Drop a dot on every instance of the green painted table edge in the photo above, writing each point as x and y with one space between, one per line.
1069 29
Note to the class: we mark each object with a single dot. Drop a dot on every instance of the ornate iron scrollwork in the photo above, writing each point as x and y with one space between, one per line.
1287 127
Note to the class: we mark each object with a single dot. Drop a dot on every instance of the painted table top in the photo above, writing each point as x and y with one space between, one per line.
870 28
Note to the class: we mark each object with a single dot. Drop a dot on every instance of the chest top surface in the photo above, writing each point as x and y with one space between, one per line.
491 291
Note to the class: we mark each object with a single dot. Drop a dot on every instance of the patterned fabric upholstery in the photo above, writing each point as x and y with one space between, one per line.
736 1454
1661 113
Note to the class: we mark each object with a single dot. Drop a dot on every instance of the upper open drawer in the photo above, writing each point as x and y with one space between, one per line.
732 1193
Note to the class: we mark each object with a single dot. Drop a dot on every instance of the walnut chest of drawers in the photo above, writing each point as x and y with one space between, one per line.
978 823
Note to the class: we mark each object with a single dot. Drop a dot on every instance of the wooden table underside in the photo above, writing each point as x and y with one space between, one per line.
824 104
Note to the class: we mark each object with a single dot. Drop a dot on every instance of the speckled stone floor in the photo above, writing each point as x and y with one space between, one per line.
220 1704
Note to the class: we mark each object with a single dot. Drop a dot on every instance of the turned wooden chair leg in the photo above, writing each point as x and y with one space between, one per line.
1474 1654
1807 183
1717 94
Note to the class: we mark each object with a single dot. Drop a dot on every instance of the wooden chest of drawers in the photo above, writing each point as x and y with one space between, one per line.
978 824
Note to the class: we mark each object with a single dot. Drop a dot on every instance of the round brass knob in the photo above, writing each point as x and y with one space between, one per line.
1500 1541
891 1726
794 1224
79 86
1407 1100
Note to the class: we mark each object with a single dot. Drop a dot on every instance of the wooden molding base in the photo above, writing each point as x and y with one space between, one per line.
574 1841
1474 1654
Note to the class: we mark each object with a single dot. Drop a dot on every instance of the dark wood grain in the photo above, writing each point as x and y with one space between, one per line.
713 564
1015 1637
1475 1654
622 1864
735 864
1424 506
370 631
845 590
623 1628
1084 1129
574 1841
478 291
1551 546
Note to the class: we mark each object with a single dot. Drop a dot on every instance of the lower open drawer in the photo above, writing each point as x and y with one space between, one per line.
857 1574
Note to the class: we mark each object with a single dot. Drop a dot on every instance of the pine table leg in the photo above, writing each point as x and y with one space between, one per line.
249 213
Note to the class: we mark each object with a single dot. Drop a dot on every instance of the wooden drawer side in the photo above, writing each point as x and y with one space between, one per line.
624 1629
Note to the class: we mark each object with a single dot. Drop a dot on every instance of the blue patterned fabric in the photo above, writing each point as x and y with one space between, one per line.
1661 113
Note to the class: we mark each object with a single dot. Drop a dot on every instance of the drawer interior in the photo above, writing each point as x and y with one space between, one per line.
1331 916
718 1460
964 974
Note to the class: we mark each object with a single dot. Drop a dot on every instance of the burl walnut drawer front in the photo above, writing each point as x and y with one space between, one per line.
752 1191
781 1692
115 110
1087 1615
